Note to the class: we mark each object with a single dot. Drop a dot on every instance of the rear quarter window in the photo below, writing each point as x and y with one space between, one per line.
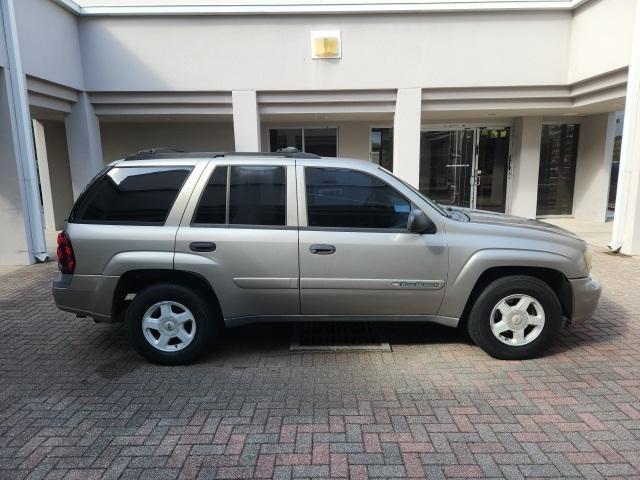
131 195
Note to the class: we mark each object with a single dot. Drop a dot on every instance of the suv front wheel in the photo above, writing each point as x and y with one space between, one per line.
169 324
515 317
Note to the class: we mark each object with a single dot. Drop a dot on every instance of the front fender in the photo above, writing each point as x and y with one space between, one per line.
461 283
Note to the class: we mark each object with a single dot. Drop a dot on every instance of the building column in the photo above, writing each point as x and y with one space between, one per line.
406 135
626 223
525 165
22 240
593 169
84 143
246 121
43 170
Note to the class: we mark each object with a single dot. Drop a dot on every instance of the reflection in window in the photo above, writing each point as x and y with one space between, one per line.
382 147
132 195
558 155
257 195
338 197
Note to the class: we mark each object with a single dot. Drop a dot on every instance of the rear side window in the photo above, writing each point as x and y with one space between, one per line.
132 195
252 195
343 198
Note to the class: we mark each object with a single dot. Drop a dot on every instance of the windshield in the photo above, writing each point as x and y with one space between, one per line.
435 205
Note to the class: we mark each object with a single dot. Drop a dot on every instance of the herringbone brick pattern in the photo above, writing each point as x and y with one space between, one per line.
76 402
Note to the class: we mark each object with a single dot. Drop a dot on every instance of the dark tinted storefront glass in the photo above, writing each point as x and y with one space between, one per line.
382 147
558 155
280 138
132 195
321 141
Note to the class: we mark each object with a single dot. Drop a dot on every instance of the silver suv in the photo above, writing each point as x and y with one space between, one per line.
179 245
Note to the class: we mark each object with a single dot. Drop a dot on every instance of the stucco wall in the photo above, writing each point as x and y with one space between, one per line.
273 52
601 33
122 139
49 44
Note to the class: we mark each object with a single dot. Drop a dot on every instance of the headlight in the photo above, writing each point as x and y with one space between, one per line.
588 257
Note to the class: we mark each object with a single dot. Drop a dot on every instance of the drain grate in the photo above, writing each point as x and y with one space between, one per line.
338 337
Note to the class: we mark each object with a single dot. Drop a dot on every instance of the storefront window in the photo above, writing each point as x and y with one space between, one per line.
382 147
321 141
615 160
558 154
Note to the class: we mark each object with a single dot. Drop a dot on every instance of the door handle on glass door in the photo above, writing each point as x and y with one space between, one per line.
322 249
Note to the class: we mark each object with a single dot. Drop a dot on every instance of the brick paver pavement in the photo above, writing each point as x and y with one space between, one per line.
76 402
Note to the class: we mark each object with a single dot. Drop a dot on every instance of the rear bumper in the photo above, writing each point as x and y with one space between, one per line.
86 295
586 293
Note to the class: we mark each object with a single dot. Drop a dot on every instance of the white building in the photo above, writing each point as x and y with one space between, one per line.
513 106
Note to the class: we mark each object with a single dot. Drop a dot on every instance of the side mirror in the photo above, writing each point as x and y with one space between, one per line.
419 222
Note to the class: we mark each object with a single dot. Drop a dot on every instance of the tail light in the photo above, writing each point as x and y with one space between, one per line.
66 258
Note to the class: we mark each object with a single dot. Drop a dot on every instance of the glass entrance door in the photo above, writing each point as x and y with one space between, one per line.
466 167
446 161
492 166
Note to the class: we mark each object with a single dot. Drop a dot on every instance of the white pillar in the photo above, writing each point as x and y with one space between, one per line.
593 168
525 166
43 170
406 135
626 222
84 143
20 195
246 121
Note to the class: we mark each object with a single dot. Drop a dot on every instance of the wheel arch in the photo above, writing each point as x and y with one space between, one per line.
556 280
133 281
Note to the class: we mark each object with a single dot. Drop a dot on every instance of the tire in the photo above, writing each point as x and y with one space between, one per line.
172 317
532 318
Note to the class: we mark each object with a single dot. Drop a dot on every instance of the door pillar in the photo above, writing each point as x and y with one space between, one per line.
406 135
22 241
84 143
525 165
246 121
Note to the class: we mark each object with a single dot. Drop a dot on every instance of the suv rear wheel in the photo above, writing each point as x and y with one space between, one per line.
515 317
169 324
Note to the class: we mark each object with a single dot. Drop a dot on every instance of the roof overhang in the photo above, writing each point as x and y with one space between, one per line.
302 7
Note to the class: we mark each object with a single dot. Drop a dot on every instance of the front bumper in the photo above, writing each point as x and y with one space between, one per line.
586 293
85 295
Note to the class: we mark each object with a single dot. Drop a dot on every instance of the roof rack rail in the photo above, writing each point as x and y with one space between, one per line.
173 153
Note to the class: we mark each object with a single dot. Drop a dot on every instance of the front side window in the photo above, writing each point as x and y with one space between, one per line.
344 198
256 195
132 195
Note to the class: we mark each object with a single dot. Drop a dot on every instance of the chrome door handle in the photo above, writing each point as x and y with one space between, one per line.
322 249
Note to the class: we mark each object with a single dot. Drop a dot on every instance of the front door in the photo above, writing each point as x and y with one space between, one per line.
465 167
356 255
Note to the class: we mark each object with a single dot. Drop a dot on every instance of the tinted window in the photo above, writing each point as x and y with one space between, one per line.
257 195
347 198
132 195
213 203
558 156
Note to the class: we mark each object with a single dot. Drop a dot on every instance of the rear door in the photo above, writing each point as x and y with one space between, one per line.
356 255
240 232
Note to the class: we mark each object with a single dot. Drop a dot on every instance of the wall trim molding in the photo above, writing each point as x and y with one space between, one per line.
323 8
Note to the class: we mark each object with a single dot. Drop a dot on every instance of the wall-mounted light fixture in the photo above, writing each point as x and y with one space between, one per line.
326 44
